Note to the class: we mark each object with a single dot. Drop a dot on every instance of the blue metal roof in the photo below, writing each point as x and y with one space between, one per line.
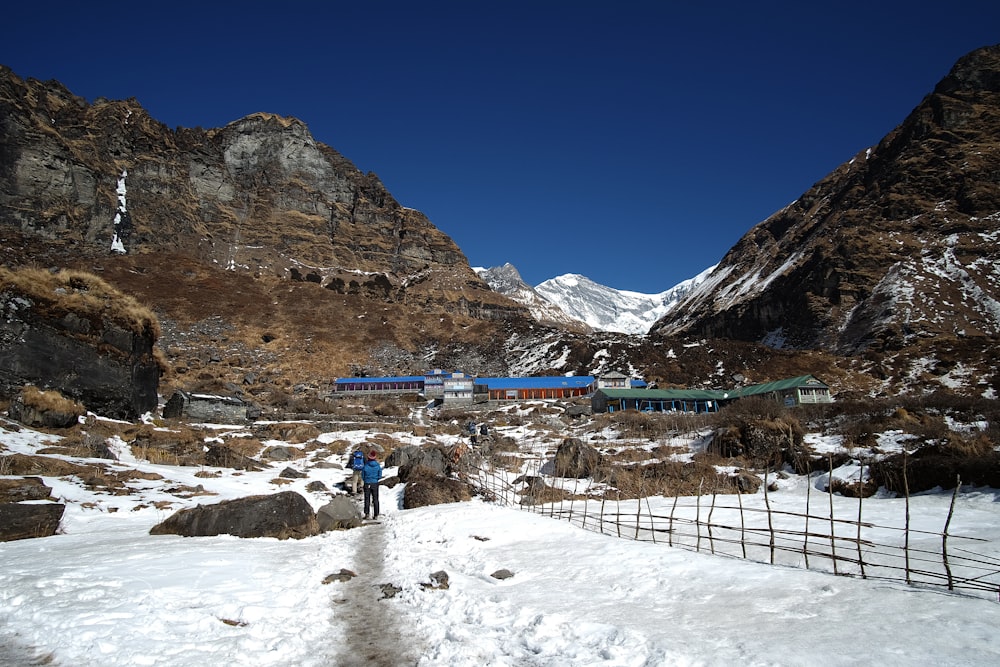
400 378
553 382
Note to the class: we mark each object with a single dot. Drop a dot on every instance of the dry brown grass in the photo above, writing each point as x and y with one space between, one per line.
81 293
50 401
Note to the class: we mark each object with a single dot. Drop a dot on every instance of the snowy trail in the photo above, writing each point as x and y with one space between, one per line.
375 632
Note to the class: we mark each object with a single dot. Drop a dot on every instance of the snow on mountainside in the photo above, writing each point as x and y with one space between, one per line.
507 280
608 309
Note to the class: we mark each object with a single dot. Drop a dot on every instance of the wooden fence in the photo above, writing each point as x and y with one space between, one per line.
756 528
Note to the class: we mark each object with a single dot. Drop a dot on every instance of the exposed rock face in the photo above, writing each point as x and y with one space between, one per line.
259 195
208 408
20 521
75 333
898 245
281 515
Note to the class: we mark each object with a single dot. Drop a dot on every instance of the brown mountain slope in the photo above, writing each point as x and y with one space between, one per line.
897 245
259 196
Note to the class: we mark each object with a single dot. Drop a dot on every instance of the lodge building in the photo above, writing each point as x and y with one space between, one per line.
610 392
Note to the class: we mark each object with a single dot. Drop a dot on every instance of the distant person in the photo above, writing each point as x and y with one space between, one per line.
370 475
357 465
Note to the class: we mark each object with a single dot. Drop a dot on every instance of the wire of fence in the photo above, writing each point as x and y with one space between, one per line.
727 525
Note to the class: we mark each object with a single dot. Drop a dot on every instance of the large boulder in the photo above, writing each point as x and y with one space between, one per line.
576 459
425 487
411 457
340 513
281 515
16 489
20 521
45 409
210 408
227 457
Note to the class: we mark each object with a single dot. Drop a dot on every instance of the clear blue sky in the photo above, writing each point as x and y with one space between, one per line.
632 142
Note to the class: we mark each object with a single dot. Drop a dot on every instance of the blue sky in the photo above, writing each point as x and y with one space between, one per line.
631 142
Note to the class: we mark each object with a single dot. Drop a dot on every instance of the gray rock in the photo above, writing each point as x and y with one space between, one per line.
281 515
342 576
439 581
341 513
23 488
576 459
19 521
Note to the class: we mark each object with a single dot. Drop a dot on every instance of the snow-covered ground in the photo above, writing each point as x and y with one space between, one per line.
106 593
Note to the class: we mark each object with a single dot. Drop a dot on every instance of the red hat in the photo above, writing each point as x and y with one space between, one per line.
373 455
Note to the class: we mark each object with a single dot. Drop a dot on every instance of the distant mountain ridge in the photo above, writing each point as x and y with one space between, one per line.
608 309
506 280
572 300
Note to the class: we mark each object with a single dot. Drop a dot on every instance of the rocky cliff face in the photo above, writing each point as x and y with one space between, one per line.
507 280
897 247
74 333
259 196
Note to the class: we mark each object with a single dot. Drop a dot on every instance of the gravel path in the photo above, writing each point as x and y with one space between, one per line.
375 635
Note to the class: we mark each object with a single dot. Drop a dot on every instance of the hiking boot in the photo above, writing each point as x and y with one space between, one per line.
366 516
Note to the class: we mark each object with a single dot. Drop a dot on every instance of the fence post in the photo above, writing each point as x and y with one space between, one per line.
743 524
670 527
652 525
906 532
944 536
805 537
711 542
638 509
861 493
833 532
770 521
697 517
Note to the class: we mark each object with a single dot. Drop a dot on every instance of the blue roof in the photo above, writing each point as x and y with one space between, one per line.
553 382
399 378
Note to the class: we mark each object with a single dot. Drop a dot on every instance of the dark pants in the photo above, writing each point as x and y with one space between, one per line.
371 498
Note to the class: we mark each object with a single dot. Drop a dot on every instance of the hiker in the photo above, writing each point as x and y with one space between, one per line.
357 465
371 474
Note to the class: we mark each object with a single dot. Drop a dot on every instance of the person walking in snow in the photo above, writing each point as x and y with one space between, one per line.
357 465
370 475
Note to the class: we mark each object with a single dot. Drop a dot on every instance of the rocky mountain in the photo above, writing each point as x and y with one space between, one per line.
259 195
271 261
893 255
507 281
608 309
273 265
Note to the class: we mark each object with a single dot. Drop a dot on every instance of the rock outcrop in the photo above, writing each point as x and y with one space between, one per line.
895 247
281 515
259 195
21 521
71 331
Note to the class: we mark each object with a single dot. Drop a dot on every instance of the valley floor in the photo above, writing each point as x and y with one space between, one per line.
106 593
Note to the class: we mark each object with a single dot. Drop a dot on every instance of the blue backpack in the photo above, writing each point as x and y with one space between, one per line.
358 463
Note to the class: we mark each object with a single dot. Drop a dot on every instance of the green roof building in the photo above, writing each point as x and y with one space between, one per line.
805 389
